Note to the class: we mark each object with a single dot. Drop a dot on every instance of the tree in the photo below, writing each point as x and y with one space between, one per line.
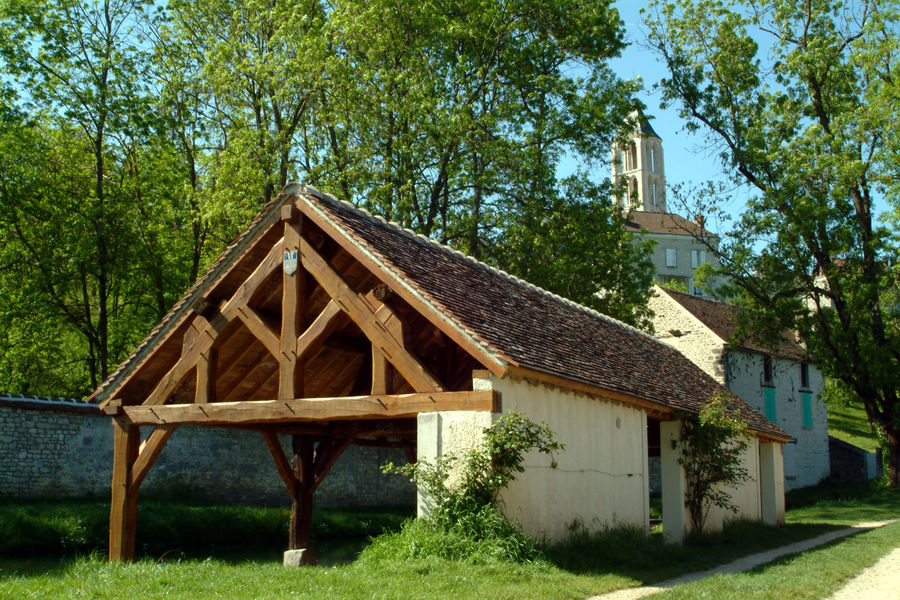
809 124
713 445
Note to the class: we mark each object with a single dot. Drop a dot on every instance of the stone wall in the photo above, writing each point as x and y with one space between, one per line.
59 449
852 463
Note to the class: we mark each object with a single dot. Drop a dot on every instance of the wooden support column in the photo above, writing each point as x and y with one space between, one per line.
123 506
301 509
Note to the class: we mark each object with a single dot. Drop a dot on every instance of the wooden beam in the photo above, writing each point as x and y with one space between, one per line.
281 462
123 503
205 390
422 304
147 455
382 382
293 309
311 340
311 409
259 275
327 454
260 330
209 330
364 315
188 360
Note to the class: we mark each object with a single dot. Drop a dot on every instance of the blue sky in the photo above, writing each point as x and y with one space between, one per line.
688 159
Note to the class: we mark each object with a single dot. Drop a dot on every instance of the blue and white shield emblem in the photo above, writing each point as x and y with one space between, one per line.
290 262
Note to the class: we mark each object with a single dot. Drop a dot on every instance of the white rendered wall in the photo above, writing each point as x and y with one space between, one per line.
806 461
745 496
601 478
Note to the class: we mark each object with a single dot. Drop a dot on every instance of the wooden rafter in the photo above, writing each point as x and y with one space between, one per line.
209 330
310 409
364 315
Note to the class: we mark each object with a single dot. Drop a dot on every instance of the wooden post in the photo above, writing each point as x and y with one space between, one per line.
301 508
123 506
293 309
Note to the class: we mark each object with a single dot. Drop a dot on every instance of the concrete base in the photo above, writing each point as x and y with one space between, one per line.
300 557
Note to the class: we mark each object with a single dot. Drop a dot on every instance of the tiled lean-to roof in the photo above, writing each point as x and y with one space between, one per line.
506 321
723 320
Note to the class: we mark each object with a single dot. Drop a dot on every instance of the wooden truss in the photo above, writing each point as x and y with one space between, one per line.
379 417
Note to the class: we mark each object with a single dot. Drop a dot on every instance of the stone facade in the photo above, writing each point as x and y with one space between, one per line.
805 417
55 451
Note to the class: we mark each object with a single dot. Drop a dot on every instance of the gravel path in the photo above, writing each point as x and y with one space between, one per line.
881 581
748 562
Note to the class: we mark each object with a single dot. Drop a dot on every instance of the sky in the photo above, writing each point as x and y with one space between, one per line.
686 155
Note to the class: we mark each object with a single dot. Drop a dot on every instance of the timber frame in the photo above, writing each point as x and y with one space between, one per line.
325 324
298 339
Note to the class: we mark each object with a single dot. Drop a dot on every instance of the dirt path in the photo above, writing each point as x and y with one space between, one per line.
881 581
748 562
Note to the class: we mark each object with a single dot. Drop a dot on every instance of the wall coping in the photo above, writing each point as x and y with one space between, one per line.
51 404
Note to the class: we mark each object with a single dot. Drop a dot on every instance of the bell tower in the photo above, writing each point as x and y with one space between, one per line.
637 166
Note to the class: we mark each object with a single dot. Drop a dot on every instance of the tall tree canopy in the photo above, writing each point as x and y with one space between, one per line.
142 136
802 100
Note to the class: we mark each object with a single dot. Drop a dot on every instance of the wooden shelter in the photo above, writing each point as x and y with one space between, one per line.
335 327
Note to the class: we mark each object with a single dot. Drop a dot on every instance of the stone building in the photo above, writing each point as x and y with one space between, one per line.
681 245
782 382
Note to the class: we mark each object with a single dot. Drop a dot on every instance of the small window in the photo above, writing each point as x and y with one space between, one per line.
768 375
653 192
670 257
653 164
804 376
632 152
698 257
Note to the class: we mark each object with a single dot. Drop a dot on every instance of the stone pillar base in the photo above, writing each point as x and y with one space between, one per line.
300 557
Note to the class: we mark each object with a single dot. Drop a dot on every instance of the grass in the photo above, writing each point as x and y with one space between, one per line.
586 564
848 422
811 575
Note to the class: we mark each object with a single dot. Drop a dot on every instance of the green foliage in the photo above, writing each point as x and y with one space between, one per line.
801 101
713 444
137 138
463 491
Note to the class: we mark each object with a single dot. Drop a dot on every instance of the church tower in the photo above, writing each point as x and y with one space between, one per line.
637 165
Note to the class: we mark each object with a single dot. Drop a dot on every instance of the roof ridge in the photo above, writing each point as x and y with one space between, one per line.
500 272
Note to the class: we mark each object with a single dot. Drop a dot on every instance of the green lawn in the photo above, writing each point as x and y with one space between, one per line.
812 575
848 422
584 566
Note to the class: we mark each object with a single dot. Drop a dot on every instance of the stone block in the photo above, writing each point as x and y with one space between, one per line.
300 557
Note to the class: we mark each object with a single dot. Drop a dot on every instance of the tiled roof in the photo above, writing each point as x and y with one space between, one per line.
532 328
659 222
508 320
723 319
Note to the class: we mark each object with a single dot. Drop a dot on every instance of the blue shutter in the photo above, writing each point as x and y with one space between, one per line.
806 401
769 395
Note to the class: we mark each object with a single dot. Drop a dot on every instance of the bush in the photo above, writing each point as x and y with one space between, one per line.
465 495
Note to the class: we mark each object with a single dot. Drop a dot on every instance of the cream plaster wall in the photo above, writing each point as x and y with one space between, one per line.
601 478
601 475
745 496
